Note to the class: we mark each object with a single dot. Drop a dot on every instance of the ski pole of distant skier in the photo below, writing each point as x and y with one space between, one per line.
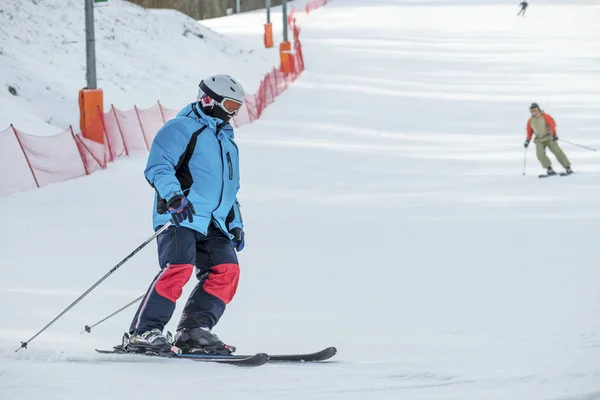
525 161
88 328
151 238
579 145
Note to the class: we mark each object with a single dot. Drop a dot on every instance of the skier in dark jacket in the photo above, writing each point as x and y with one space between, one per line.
193 166
524 6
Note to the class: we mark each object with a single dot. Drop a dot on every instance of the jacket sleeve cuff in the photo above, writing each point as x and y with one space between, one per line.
170 195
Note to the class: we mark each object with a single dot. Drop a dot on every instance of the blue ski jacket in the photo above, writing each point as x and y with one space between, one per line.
191 155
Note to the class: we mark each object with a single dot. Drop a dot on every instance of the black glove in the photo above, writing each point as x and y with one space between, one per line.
180 209
526 143
238 238
555 138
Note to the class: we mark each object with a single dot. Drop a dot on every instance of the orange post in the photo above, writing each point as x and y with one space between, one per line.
286 57
90 102
268 35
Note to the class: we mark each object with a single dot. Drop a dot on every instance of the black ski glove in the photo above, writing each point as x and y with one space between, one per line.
555 138
180 209
526 144
238 238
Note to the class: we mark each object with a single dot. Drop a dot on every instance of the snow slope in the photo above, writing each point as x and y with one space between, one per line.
142 56
386 214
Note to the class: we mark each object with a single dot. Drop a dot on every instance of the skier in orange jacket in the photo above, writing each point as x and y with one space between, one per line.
542 125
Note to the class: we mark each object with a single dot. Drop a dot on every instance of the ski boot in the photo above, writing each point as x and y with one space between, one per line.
568 171
550 171
152 341
201 340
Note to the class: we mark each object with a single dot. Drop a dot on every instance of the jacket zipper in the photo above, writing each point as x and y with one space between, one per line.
230 165
223 165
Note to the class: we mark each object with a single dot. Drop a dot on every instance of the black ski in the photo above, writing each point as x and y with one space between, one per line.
558 174
322 355
253 360
247 360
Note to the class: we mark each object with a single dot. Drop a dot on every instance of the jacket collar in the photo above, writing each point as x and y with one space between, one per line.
193 111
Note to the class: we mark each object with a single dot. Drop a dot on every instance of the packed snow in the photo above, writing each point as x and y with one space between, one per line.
385 207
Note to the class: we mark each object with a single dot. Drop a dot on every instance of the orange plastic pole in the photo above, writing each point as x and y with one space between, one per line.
268 35
90 101
286 57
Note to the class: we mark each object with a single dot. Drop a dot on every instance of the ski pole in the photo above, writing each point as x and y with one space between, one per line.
151 238
525 161
88 328
575 144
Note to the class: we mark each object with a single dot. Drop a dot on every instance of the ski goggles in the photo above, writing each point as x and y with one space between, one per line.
535 110
230 106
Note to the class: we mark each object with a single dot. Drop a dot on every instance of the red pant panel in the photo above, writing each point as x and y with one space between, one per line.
223 281
174 278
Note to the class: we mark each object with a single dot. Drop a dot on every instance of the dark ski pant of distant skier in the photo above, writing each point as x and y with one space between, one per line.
217 270
523 10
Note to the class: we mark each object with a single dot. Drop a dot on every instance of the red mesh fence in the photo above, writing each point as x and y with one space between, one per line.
151 121
273 84
314 4
132 133
52 158
30 161
114 137
95 155
166 113
15 174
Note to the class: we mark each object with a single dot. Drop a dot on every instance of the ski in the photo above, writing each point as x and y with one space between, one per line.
253 360
246 360
322 355
558 174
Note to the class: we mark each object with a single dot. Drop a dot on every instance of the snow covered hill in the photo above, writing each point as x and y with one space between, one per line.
386 214
143 56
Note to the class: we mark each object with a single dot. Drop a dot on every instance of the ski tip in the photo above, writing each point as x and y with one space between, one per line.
318 356
329 352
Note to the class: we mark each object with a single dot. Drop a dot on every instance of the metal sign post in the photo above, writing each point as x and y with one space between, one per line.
285 30
268 7
90 45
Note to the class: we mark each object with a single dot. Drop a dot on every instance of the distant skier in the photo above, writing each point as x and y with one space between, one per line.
524 6
193 166
544 128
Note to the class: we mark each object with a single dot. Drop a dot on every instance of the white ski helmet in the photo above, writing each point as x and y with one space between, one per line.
221 90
